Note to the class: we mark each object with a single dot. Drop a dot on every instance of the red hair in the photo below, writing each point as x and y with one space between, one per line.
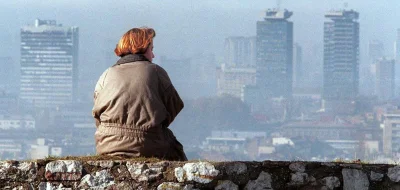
135 41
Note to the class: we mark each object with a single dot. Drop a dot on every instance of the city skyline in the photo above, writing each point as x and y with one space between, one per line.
217 57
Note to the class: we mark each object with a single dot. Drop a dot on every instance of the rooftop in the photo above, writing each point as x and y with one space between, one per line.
275 14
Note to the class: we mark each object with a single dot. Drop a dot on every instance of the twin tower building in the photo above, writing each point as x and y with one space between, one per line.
275 68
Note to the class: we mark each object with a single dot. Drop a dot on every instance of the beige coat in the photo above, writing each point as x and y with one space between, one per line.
134 103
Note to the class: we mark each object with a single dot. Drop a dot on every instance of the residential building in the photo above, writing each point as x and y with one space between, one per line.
341 60
385 79
240 51
11 149
275 53
231 80
42 149
391 133
49 64
17 122
230 141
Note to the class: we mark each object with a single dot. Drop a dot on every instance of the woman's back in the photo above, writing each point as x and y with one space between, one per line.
135 102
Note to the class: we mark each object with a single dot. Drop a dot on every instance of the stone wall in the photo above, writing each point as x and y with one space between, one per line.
129 174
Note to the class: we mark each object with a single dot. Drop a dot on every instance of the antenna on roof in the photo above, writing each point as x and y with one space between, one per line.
346 5
278 4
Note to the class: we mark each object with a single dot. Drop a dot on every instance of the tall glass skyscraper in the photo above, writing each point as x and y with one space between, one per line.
49 64
341 56
275 54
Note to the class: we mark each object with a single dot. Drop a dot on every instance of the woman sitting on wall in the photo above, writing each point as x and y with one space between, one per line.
135 102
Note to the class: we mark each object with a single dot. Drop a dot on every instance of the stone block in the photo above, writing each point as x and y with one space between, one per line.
102 163
299 178
169 186
394 174
100 180
18 171
354 179
146 172
261 183
236 168
297 167
226 185
376 176
330 182
63 170
201 172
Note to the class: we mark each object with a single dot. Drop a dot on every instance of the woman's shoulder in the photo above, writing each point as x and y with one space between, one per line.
159 69
162 74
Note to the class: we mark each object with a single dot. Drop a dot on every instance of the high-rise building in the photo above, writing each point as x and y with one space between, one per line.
275 54
385 78
8 76
298 67
49 64
341 57
397 46
368 68
232 80
375 50
240 51
397 65
391 133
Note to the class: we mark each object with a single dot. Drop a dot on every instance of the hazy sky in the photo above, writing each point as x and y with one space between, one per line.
188 27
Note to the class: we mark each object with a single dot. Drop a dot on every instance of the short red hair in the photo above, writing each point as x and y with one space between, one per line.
135 41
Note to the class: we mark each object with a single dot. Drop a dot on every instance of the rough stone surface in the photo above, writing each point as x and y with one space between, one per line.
330 182
299 178
180 174
297 167
101 179
394 174
169 186
65 170
329 164
354 179
48 186
354 166
201 172
142 172
102 163
189 187
262 182
236 168
18 171
19 188
226 185
127 185
143 175
376 176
